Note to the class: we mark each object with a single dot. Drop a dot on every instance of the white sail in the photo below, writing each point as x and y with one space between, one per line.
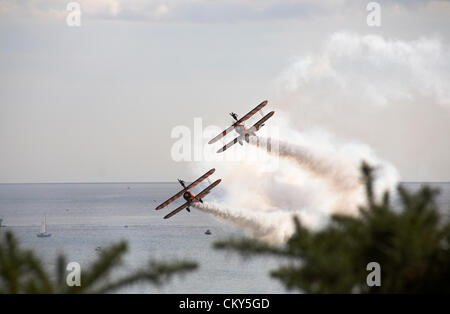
43 225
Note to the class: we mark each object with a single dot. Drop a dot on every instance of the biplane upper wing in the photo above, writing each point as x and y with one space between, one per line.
207 190
170 200
246 117
203 177
176 210
252 112
237 139
193 184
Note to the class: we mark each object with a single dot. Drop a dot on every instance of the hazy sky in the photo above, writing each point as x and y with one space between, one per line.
98 102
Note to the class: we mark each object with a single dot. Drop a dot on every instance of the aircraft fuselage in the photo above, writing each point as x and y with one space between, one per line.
190 197
242 130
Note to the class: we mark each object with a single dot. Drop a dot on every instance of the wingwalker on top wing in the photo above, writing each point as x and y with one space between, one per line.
188 195
241 129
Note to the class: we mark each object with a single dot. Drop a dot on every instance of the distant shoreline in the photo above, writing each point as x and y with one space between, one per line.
172 182
152 182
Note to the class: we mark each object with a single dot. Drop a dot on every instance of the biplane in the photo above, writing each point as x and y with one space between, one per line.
188 195
241 129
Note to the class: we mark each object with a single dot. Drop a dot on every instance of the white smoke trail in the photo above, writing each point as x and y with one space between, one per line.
339 165
317 176
338 173
272 226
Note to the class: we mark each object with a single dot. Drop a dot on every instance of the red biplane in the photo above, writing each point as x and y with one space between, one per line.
241 129
188 195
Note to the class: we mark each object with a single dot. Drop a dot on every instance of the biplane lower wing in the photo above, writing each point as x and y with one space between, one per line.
177 210
207 190
260 123
193 184
236 140
218 137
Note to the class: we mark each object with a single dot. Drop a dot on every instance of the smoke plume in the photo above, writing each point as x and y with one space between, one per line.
316 176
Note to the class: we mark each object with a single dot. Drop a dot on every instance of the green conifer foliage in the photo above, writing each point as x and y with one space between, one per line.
21 271
411 244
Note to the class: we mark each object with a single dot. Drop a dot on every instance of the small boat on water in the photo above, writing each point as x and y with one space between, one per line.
43 233
208 232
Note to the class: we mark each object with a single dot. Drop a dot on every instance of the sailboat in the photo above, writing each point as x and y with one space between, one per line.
43 233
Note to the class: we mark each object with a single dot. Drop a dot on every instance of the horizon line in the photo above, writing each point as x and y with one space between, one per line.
159 182
96 182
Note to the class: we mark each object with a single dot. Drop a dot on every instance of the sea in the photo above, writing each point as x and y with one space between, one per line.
83 218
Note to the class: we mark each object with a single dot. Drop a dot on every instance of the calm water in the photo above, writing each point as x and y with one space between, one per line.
82 217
